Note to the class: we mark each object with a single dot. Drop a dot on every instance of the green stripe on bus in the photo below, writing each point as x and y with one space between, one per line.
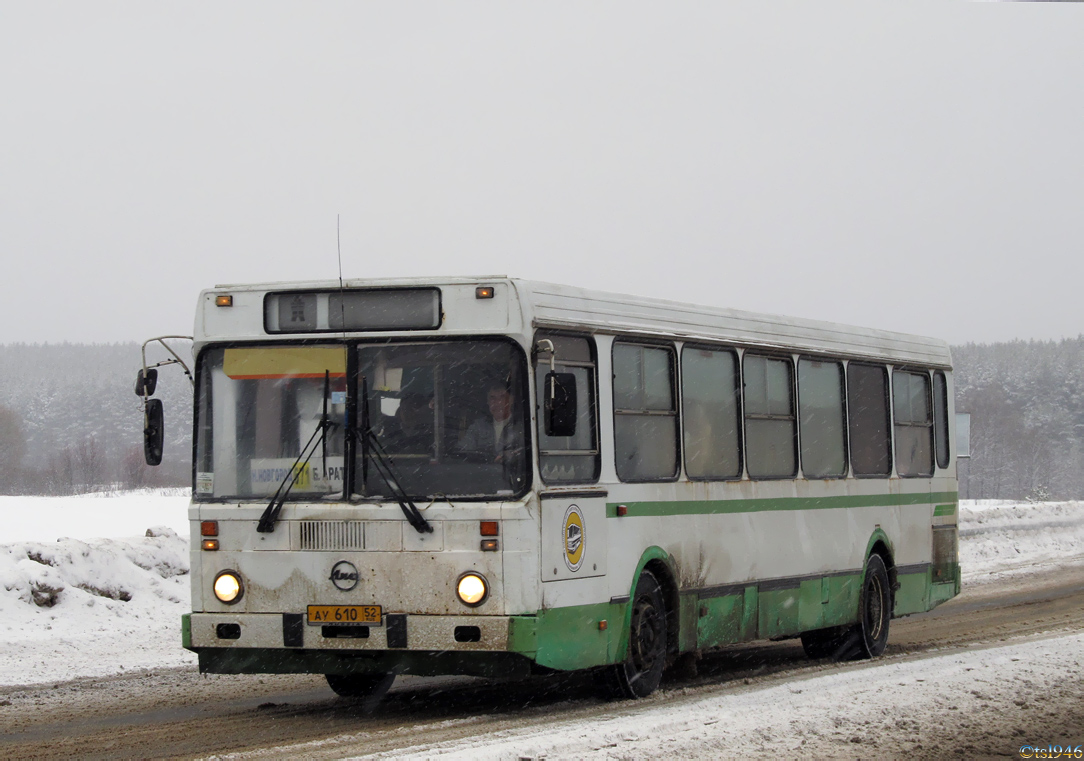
723 506
942 510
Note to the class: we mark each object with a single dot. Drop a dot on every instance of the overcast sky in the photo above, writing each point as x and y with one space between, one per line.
910 166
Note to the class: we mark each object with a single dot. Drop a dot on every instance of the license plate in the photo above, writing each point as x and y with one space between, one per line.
325 615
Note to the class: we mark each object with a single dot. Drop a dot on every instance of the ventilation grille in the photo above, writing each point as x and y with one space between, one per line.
332 535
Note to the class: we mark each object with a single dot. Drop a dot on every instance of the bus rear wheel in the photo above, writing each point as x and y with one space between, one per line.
372 686
641 671
875 610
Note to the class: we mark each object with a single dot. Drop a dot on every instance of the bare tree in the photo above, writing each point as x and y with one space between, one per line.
90 463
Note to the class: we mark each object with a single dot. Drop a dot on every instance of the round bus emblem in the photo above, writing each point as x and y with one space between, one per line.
344 575
575 538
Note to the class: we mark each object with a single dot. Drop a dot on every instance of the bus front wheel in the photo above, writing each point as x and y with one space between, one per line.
372 686
825 643
875 611
641 671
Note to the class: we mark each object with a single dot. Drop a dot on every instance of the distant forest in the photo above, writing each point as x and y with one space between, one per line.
70 421
1026 400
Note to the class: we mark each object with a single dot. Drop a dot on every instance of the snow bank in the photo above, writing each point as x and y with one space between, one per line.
998 538
71 608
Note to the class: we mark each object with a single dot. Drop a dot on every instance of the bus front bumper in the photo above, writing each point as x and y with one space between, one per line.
402 632
275 643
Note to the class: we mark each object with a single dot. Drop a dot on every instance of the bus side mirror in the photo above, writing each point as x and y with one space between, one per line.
153 431
145 384
560 404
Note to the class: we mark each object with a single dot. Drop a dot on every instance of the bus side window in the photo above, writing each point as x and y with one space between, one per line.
940 419
771 434
914 424
569 459
645 414
711 409
820 405
867 407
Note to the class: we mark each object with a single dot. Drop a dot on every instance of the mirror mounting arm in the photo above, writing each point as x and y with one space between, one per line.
553 363
538 347
176 360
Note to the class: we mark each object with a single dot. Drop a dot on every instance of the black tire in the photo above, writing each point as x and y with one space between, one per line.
824 643
370 686
874 609
640 673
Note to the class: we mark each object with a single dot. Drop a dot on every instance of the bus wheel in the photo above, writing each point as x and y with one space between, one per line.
875 610
372 686
639 674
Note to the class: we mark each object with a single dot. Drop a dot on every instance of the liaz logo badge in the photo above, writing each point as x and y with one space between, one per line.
344 575
575 538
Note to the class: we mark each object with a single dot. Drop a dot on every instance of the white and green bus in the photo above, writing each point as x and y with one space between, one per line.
497 477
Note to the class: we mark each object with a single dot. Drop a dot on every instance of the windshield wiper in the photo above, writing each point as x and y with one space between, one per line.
371 446
319 437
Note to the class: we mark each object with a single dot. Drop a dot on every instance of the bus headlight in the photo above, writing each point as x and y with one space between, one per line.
228 587
472 589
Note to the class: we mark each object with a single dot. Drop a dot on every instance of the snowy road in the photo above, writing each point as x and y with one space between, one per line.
997 668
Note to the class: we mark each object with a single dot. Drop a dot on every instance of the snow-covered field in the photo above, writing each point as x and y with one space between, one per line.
95 585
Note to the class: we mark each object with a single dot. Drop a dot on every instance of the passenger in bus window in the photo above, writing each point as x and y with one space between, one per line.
494 437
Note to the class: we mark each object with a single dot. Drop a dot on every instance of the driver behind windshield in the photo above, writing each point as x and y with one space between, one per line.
495 436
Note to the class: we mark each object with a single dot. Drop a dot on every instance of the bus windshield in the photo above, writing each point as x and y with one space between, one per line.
258 407
450 418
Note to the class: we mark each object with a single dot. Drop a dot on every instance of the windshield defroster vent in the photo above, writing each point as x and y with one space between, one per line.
332 535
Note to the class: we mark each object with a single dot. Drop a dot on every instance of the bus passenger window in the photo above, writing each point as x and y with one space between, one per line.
569 459
710 408
770 427
820 406
940 419
914 426
645 415
867 406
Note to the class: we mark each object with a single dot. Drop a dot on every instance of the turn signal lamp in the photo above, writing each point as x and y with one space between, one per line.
209 544
224 300
472 589
484 292
490 528
228 587
489 545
